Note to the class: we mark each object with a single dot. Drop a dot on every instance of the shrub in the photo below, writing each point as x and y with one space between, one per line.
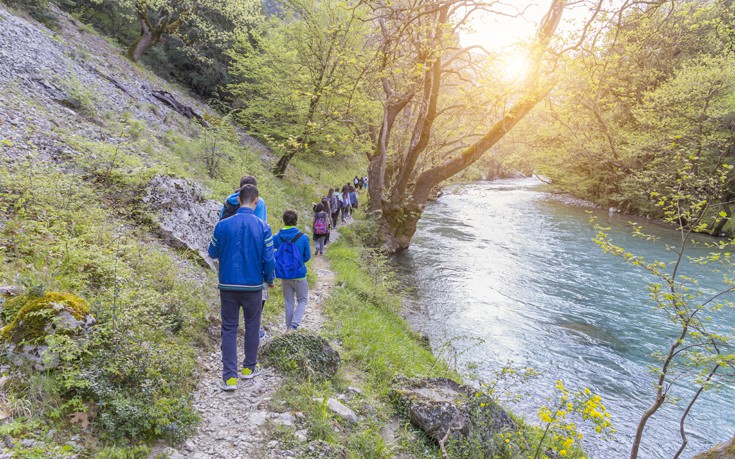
302 353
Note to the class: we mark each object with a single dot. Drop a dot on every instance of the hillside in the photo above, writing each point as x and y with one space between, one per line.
109 193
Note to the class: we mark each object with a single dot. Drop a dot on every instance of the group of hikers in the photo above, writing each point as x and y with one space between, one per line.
251 258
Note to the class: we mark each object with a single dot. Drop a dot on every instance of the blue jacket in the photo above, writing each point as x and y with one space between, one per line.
244 246
285 235
260 210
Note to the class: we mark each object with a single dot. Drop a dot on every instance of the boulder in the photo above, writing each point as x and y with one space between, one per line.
724 450
342 411
36 315
184 216
33 317
302 353
444 409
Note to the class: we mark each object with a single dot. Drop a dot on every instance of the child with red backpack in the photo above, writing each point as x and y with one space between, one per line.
320 227
292 253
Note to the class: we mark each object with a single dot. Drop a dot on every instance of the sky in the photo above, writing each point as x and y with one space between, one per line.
497 32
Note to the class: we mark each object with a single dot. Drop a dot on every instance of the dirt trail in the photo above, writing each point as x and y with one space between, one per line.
233 423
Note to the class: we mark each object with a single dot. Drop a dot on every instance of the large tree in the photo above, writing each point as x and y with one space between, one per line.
300 80
213 20
425 80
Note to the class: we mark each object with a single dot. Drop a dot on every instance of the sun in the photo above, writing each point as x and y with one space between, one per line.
513 67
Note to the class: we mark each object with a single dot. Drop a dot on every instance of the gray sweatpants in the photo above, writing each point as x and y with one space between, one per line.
298 288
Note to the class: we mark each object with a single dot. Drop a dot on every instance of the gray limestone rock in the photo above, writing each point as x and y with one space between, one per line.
184 216
336 407
443 408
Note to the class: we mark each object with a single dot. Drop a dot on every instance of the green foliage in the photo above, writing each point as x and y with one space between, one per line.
650 111
299 83
135 368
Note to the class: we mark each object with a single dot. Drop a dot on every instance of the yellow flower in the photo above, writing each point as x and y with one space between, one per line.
563 453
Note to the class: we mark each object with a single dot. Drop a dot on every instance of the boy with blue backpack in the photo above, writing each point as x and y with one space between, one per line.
292 253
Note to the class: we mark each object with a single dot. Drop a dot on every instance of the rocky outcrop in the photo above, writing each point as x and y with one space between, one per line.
182 213
302 353
445 410
724 450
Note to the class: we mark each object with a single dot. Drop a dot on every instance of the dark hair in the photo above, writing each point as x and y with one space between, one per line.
248 194
290 218
319 207
331 191
248 180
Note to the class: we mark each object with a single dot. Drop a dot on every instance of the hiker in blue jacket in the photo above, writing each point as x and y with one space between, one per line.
231 204
244 246
292 253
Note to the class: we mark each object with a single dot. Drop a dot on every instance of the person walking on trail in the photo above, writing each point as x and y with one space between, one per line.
243 244
321 228
292 253
328 210
365 181
353 198
334 206
346 198
232 203
342 205
356 182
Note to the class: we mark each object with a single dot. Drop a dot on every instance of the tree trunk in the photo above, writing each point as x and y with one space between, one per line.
150 34
398 225
376 172
279 170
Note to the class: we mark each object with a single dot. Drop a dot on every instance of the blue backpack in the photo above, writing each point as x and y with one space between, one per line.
289 259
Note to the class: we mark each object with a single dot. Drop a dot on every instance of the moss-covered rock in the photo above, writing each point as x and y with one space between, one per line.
725 450
32 318
11 303
302 353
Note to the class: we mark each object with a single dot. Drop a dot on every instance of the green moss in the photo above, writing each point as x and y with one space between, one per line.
302 354
34 315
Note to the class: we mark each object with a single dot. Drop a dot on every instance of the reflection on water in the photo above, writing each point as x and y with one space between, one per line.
500 265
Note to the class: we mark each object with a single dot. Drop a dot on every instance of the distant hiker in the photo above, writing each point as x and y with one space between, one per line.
356 182
365 181
342 205
320 227
326 203
292 253
244 246
334 205
353 198
229 208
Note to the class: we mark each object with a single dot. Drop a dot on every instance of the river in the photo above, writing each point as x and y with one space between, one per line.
506 274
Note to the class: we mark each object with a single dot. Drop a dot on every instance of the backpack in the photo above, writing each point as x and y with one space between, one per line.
289 259
321 227
230 209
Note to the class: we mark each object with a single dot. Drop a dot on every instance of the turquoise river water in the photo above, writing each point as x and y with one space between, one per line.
506 274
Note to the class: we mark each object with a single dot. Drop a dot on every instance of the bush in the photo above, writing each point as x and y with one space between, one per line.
302 353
